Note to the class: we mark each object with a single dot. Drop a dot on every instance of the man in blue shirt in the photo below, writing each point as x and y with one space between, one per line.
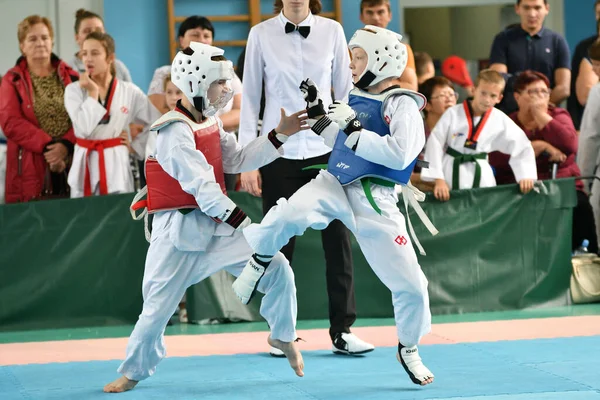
531 46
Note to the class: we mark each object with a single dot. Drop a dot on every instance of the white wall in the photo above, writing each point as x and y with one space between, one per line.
60 12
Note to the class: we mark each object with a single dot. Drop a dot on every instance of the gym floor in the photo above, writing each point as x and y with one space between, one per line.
550 353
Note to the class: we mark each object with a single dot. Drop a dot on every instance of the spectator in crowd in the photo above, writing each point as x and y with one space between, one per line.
457 149
172 95
456 70
554 140
588 158
424 66
583 75
101 107
282 52
87 22
440 96
33 117
197 29
2 159
531 46
379 13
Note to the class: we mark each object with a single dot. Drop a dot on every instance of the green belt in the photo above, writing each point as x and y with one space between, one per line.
461 158
366 184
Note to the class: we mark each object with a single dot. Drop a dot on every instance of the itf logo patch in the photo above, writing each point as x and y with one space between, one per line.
455 135
401 240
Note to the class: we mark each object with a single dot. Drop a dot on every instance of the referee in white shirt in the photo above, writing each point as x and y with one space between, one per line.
283 51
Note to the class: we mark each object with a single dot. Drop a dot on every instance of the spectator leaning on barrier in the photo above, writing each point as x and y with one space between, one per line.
588 157
554 140
440 96
33 117
531 46
457 149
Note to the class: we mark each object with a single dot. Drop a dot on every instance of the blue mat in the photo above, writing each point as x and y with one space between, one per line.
556 369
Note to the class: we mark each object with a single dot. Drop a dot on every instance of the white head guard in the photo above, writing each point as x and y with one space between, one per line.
387 56
193 71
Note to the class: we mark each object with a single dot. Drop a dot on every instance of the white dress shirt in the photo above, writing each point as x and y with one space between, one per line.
283 61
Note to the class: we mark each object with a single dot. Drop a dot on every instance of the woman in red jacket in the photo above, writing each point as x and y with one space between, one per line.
554 140
33 117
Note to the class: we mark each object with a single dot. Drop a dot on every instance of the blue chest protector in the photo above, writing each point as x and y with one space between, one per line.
344 164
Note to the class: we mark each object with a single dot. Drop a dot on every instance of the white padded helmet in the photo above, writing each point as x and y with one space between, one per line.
386 55
193 71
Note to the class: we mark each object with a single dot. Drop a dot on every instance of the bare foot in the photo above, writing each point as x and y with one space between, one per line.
292 353
122 384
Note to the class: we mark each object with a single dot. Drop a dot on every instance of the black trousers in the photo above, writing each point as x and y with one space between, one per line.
282 178
584 225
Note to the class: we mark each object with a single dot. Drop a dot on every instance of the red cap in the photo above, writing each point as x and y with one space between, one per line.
455 69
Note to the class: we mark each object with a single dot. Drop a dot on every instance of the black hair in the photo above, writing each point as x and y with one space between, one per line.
193 22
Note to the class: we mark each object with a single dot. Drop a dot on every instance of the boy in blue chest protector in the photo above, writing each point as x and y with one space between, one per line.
375 141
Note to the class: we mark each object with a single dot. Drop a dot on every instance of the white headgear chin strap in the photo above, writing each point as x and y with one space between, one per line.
387 56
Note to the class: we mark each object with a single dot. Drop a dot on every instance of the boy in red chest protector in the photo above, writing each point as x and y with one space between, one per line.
196 230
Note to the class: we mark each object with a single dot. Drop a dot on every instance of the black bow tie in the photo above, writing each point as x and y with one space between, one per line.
303 30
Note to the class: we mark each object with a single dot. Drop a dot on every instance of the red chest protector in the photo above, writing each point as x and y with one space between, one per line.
163 191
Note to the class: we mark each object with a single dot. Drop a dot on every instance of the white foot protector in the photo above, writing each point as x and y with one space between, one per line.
411 361
245 285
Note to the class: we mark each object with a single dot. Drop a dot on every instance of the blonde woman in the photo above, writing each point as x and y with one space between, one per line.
33 117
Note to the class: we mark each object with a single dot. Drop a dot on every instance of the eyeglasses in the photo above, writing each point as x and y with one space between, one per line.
541 92
446 95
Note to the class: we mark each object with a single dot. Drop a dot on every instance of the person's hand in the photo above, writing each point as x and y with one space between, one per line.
55 153
526 185
538 107
554 154
345 117
88 84
135 130
124 136
441 191
58 167
251 182
292 124
314 104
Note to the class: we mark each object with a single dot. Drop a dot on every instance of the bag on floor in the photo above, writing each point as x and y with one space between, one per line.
585 280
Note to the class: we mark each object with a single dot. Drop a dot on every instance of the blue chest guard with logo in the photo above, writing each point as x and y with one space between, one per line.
344 164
